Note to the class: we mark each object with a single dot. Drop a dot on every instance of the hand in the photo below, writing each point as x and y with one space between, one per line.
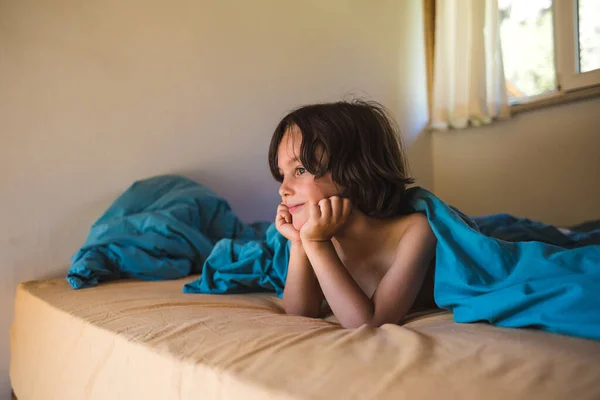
325 219
283 223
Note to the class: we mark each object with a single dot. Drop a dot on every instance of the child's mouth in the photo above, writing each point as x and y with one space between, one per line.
295 208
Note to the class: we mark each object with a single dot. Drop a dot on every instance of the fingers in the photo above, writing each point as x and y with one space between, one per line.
325 207
287 217
346 208
279 220
283 215
314 211
336 208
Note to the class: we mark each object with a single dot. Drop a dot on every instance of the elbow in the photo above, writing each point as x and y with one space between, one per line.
357 323
369 320
355 317
302 311
353 324
358 320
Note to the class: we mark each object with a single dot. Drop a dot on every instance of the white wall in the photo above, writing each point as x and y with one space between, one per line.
96 94
412 113
543 165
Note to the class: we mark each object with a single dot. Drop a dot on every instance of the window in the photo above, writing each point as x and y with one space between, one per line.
549 47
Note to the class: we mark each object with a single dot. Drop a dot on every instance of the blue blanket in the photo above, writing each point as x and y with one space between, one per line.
160 228
508 271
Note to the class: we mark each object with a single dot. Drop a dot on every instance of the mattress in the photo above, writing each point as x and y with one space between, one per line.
148 340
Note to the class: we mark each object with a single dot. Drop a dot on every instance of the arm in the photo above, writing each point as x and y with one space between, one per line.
347 300
397 290
302 294
400 286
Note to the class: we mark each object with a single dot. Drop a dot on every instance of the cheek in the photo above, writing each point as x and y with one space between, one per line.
325 188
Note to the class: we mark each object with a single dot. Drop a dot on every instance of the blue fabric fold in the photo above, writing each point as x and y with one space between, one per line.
163 227
241 267
529 283
508 271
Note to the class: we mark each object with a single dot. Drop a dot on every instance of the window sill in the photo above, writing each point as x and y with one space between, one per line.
556 99
548 100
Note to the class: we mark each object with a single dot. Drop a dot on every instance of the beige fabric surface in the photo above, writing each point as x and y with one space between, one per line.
148 340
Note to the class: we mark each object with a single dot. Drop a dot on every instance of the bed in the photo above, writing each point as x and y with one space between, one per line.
133 339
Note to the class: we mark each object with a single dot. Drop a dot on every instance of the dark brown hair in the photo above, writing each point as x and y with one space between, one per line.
359 143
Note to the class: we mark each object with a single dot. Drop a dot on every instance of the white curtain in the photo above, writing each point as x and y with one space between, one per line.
468 81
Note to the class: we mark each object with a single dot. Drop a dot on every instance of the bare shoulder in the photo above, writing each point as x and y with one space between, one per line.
417 221
416 230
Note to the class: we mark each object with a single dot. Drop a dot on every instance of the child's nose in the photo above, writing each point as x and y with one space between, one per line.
284 189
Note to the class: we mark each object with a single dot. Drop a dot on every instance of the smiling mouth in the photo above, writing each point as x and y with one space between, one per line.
295 208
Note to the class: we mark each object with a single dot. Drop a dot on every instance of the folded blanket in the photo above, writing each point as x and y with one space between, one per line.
508 271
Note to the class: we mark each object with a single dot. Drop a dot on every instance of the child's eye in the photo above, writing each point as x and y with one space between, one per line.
300 171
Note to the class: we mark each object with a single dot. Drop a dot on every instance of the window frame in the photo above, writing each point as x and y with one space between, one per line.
561 94
570 84
566 48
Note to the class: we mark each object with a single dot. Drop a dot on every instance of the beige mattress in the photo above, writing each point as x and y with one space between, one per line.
148 340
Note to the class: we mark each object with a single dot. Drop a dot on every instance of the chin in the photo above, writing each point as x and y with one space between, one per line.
298 225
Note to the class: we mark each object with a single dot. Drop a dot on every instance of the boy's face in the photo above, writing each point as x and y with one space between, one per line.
299 188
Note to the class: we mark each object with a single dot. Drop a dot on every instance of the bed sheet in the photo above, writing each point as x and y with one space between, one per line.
138 339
